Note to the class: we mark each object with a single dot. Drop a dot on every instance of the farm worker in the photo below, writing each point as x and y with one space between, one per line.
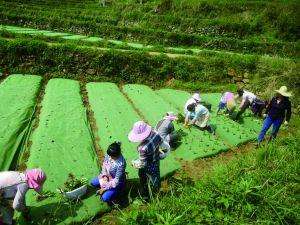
112 178
258 106
149 155
14 186
165 128
227 101
195 99
278 110
247 100
198 115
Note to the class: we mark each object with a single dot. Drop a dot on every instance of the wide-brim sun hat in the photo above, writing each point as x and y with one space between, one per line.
171 116
283 91
140 131
196 96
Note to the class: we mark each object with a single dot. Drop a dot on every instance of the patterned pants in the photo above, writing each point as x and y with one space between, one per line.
150 178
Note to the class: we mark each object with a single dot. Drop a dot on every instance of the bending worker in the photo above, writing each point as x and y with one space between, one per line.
14 186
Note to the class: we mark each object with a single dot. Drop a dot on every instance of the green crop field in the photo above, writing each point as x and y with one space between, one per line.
76 75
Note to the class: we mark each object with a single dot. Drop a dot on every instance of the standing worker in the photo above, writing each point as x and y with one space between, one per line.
14 186
149 155
278 110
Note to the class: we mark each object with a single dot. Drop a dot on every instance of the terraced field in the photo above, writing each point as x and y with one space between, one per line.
63 143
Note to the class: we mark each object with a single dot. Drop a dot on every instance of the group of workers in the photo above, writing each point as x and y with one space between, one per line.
154 144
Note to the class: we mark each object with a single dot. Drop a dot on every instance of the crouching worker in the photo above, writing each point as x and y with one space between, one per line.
149 156
227 102
111 181
198 115
165 128
14 187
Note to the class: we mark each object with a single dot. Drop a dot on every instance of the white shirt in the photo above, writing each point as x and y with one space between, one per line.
13 185
248 95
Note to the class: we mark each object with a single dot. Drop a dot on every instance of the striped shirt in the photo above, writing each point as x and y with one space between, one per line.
115 169
149 149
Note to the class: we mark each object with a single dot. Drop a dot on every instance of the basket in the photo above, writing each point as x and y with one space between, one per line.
77 193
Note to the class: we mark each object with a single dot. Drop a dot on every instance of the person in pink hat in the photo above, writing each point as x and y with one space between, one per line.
15 185
149 155
165 128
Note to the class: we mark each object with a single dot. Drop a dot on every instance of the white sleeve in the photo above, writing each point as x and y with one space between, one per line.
19 203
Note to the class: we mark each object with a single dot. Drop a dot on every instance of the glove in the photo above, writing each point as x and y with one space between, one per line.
286 122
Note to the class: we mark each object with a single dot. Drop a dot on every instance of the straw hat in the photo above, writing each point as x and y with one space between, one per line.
139 132
283 91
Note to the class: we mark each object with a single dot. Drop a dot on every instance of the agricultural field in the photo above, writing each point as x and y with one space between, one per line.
76 75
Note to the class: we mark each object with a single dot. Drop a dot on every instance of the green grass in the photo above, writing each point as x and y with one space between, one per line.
258 187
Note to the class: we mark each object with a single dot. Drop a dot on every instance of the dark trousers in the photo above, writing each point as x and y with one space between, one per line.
267 124
150 178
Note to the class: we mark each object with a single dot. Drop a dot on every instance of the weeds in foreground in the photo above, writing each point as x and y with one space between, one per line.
259 187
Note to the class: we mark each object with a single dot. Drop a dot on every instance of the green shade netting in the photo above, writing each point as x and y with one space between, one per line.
195 144
17 102
62 144
230 131
115 117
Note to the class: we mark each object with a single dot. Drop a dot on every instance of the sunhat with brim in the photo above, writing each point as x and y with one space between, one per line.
283 91
140 131
170 116
196 96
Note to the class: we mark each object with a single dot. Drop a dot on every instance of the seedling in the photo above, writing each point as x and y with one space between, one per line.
73 183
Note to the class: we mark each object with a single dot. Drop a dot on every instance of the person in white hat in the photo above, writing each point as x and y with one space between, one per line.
149 155
198 115
165 128
277 112
195 99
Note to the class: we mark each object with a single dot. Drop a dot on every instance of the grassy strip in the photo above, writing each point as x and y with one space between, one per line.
17 99
26 33
137 67
171 39
228 130
259 187
194 145
61 145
